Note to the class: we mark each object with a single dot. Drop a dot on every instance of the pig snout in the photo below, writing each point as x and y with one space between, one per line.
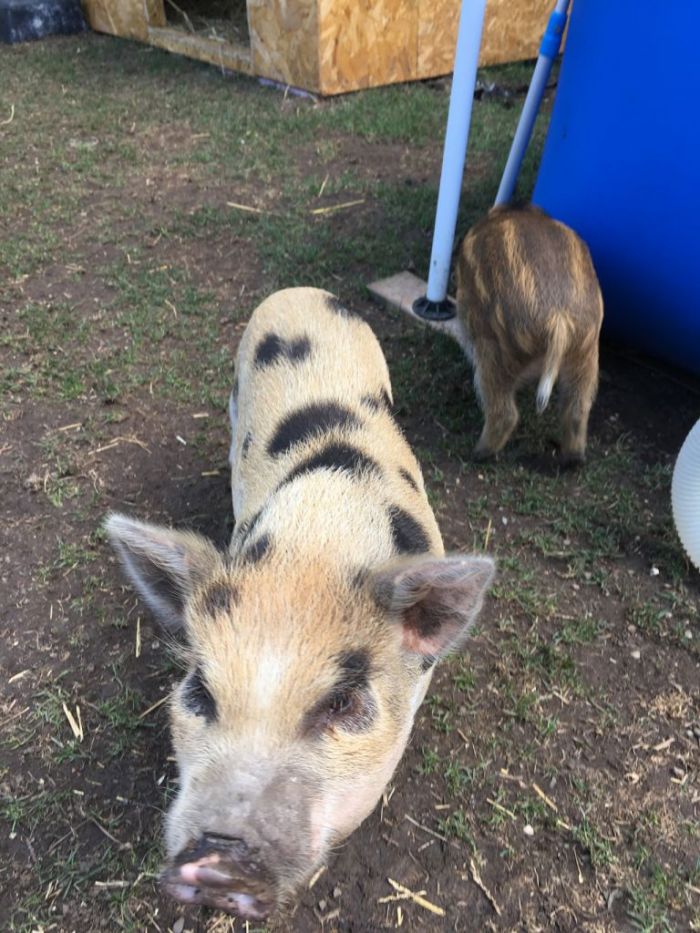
221 872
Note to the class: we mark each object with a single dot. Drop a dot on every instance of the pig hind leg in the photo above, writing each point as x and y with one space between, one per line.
496 391
578 382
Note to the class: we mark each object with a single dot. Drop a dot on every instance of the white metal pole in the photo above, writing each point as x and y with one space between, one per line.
471 21
549 49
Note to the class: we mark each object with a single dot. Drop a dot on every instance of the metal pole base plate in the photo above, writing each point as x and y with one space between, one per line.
434 310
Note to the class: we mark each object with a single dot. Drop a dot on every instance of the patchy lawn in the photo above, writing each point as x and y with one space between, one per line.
147 204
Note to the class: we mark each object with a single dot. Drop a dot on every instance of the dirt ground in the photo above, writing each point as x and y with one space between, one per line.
552 780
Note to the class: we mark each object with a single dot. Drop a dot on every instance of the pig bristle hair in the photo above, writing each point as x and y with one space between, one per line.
180 651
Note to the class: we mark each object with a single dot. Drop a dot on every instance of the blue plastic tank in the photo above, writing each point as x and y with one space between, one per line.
621 163
26 20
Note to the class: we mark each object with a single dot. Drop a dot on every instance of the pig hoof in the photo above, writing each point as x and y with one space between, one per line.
483 454
571 461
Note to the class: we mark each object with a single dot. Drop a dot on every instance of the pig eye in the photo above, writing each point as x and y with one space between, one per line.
340 703
197 698
338 708
350 706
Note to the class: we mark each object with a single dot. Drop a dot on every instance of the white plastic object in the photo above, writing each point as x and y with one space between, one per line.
685 495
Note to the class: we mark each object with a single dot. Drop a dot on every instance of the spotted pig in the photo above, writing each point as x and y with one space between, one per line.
311 641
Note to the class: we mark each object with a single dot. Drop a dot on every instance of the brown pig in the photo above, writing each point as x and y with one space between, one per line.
310 641
530 308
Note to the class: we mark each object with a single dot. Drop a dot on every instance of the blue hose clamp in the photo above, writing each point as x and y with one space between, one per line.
551 40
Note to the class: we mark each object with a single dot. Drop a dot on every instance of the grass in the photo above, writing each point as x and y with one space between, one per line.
69 556
441 713
659 892
99 144
122 720
580 631
457 826
599 848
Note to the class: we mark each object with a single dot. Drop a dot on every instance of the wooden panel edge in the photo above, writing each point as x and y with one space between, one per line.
228 55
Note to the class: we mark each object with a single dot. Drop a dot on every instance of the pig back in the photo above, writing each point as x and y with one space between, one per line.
518 267
313 391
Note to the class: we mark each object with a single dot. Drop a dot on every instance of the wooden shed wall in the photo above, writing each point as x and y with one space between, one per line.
333 46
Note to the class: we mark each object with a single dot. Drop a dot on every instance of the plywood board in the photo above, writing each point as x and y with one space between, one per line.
512 32
401 290
128 18
366 43
284 41
513 29
437 36
226 55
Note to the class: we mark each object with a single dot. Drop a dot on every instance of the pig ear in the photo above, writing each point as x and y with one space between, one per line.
435 600
164 566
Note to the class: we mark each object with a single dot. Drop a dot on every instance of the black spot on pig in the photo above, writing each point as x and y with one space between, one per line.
298 350
219 597
379 402
272 349
336 305
197 698
335 456
408 535
257 550
408 478
247 441
308 422
354 667
427 663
